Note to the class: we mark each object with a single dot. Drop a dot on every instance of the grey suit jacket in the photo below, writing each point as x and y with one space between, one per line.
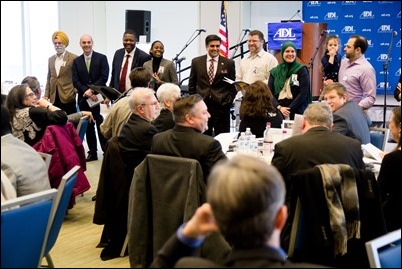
350 120
63 83
167 71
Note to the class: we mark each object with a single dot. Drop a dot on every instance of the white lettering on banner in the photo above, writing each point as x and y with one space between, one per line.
284 33
331 16
367 15
398 44
368 30
370 44
314 3
384 29
348 2
348 29
385 15
383 57
349 16
382 84
398 73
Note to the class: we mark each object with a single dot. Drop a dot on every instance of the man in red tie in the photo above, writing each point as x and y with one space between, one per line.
126 59
206 78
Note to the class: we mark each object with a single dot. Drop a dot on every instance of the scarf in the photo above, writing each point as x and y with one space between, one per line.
22 122
284 70
343 203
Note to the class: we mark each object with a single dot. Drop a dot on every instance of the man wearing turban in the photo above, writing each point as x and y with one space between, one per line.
59 86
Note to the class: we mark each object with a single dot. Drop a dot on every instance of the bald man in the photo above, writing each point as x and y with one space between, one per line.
60 90
90 68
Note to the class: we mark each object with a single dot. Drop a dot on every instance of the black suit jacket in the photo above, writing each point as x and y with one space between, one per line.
187 142
140 57
98 72
317 146
135 140
164 121
219 91
173 252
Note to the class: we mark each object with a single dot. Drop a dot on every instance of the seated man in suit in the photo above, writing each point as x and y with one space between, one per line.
246 203
120 111
317 145
349 118
186 139
136 135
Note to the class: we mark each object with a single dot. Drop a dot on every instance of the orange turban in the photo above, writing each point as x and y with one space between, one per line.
61 36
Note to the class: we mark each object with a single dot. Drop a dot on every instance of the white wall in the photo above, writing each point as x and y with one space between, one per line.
172 22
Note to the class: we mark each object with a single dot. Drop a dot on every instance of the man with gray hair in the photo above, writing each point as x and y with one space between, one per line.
167 95
135 138
317 145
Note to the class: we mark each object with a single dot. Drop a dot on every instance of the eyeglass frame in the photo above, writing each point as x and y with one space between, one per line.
32 94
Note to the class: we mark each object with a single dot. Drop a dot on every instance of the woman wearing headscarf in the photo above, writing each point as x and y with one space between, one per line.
162 70
289 82
60 90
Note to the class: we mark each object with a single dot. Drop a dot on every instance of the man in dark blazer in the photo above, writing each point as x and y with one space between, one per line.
349 117
137 58
218 94
186 139
317 145
90 68
245 202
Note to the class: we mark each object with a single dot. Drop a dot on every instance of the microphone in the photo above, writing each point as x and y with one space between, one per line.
325 32
394 33
246 30
180 60
297 13
200 30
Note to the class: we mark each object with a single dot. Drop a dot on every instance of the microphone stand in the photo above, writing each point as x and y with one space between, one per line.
311 63
191 39
239 42
385 70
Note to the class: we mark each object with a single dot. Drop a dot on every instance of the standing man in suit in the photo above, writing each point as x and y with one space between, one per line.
307 150
60 90
206 78
186 139
135 59
90 68
349 118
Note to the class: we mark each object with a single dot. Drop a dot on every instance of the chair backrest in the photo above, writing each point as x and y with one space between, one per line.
46 157
385 251
82 127
165 192
24 226
308 232
379 137
60 207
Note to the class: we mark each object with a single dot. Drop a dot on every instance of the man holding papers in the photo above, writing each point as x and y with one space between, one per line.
90 68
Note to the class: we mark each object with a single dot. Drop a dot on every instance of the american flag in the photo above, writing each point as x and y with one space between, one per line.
223 31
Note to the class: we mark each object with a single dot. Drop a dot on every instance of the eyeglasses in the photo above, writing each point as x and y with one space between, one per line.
152 104
30 95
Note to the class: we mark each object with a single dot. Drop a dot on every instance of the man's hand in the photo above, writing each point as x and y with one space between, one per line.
202 223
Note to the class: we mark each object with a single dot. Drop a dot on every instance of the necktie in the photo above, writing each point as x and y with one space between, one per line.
211 71
122 83
88 63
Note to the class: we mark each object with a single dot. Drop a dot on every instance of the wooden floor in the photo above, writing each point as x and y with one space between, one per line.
76 244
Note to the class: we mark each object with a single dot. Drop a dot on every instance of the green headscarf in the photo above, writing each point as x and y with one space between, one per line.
284 70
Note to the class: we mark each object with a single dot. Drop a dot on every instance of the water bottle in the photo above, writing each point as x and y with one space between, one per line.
267 133
241 147
247 139
268 140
